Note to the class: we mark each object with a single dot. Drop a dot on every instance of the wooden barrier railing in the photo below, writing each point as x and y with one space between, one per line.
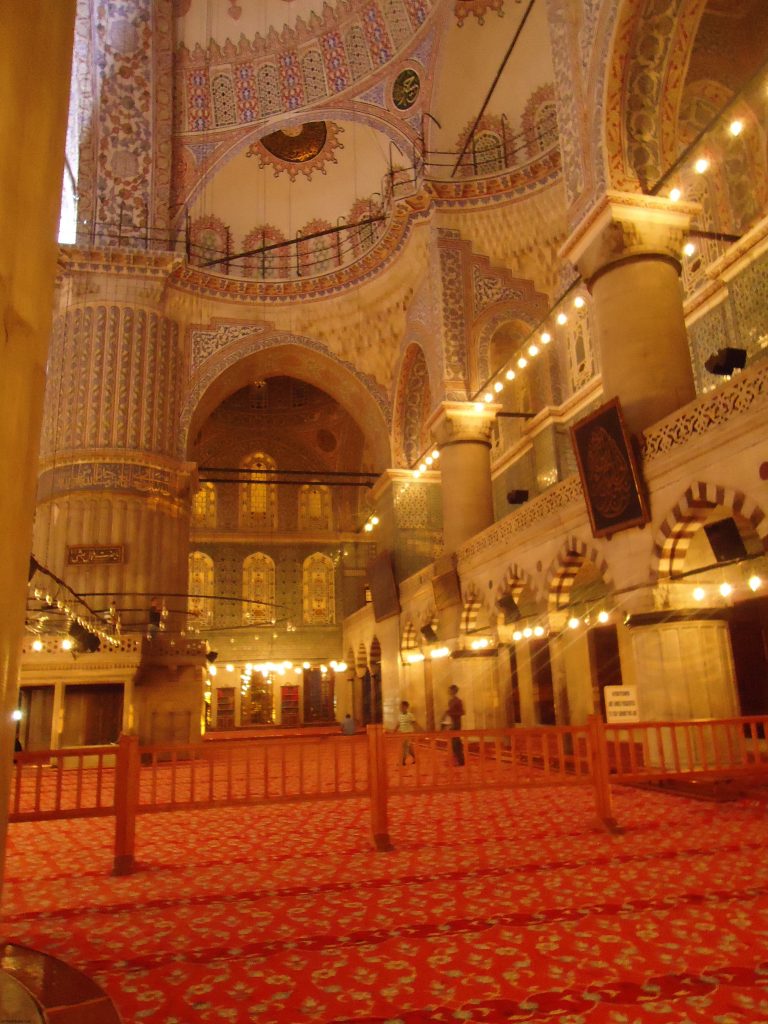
127 780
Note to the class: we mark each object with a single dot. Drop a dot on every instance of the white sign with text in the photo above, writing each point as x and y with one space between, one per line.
621 704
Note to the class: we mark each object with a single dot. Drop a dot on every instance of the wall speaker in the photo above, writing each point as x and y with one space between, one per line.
446 589
381 580
508 606
85 641
430 636
725 540
517 497
726 360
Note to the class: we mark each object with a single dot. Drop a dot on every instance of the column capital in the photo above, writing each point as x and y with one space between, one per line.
457 422
391 477
624 225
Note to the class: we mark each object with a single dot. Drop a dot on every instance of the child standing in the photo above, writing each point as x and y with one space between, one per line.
406 723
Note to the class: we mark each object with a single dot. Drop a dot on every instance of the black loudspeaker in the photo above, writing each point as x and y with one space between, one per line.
725 540
85 641
726 360
508 606
384 594
430 636
446 589
517 497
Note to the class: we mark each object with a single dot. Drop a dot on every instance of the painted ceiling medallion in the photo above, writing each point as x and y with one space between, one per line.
405 91
304 148
477 8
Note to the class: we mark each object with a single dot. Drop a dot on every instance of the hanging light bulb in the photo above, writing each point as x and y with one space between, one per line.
533 350
579 302
498 386
675 194
573 622
726 589
510 374
603 616
561 319
702 165
754 583
736 127
699 593
37 645
546 337
522 362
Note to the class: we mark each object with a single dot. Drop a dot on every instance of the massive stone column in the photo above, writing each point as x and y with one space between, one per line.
462 431
114 493
628 251
685 670
35 57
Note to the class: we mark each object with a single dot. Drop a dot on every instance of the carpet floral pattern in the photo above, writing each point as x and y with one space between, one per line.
493 907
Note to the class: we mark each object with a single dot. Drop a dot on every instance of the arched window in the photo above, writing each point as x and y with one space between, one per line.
200 590
258 586
357 52
268 81
204 506
315 508
258 493
223 94
319 591
545 121
313 70
398 21
488 153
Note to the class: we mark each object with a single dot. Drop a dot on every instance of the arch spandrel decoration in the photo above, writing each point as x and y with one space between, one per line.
319 590
413 404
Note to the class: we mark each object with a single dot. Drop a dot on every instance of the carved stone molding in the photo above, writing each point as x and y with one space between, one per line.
458 422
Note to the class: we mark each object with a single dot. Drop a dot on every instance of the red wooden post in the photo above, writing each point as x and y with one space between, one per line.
600 774
377 784
126 801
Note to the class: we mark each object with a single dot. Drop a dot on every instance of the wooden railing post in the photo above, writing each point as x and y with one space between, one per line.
377 784
598 749
126 802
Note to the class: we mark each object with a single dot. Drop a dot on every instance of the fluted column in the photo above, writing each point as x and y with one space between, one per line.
35 57
628 251
114 493
462 431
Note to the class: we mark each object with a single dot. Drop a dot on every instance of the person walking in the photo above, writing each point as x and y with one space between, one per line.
453 716
406 723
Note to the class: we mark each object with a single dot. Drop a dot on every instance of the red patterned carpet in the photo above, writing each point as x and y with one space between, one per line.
493 907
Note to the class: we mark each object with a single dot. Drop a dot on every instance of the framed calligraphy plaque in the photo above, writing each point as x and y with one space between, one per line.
608 470
93 554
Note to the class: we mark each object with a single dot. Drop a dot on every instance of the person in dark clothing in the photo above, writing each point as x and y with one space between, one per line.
454 714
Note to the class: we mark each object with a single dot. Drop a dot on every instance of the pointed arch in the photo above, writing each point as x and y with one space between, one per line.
258 493
673 538
200 590
319 590
258 586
